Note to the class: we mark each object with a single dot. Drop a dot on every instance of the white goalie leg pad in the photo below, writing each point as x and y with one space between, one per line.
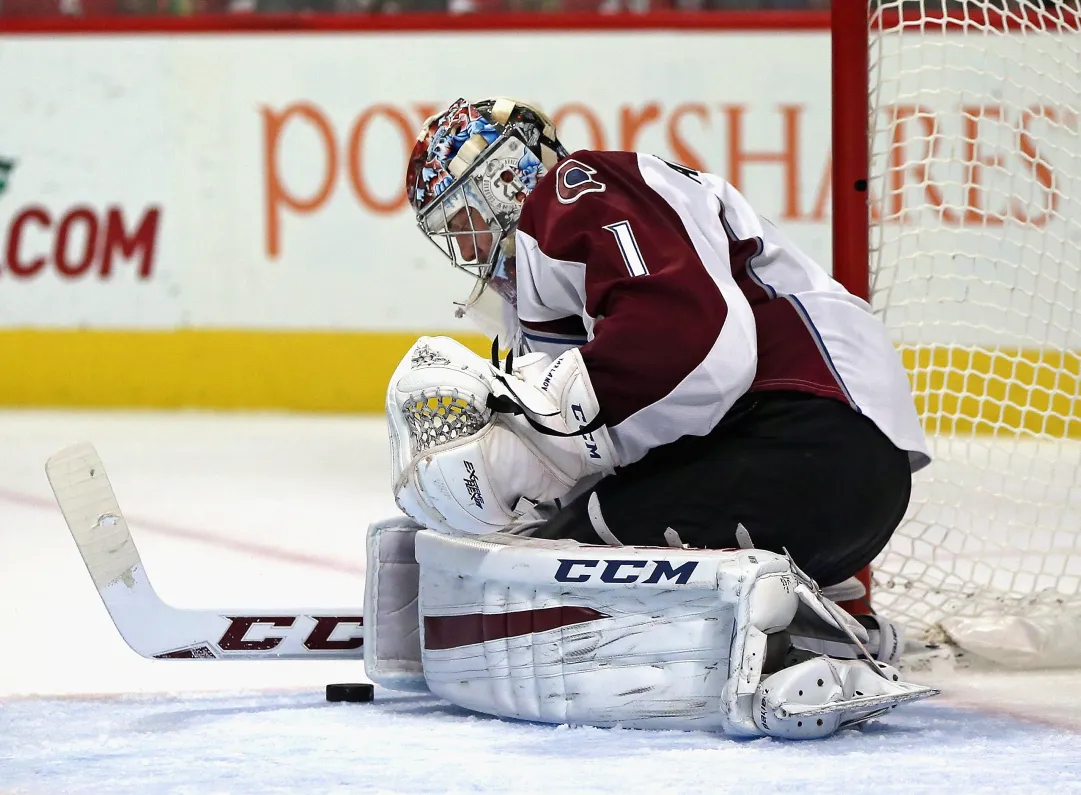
817 697
553 631
392 622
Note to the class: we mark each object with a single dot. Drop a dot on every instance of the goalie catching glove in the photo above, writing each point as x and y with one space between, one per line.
474 446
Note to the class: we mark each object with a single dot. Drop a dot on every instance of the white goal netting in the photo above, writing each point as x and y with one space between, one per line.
976 269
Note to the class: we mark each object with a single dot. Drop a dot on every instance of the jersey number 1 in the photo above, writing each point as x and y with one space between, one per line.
628 247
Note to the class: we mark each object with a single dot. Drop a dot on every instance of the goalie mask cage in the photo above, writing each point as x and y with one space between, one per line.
957 214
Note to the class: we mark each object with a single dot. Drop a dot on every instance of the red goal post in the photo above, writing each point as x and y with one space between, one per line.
850 111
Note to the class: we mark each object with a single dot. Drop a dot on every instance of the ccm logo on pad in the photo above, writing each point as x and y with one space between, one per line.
625 571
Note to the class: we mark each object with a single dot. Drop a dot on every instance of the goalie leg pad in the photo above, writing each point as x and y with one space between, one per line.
553 631
645 637
392 632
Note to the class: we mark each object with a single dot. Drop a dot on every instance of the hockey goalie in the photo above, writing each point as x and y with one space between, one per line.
634 518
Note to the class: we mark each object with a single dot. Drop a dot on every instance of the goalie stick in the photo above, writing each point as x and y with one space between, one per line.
158 630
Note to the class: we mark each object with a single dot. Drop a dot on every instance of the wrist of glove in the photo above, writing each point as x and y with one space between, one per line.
552 404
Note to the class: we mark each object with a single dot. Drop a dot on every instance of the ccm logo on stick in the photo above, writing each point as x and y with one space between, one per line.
318 639
625 571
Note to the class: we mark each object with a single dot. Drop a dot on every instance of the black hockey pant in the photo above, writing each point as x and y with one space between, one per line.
801 472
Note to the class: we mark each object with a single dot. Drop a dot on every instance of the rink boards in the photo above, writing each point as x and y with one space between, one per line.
219 220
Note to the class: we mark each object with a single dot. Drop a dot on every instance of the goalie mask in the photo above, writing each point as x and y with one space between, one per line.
468 176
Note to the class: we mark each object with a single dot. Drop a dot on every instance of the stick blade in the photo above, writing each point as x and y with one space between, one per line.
155 629
92 513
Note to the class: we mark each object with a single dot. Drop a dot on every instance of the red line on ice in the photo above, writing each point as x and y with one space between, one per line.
201 537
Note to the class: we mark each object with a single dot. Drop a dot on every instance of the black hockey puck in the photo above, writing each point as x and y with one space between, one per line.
355 692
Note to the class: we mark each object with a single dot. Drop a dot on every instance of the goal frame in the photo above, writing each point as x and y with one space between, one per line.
850 133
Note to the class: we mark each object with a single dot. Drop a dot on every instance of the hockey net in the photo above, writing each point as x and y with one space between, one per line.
975 266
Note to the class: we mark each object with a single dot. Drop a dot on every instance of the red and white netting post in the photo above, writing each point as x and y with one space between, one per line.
966 238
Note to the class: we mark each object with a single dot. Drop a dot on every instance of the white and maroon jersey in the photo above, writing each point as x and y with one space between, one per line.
683 299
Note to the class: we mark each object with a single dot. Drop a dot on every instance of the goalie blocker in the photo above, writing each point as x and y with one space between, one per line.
560 632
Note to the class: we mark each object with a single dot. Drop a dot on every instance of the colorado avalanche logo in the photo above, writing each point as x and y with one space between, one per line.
574 179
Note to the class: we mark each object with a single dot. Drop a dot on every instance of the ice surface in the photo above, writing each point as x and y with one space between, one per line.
243 510
295 743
